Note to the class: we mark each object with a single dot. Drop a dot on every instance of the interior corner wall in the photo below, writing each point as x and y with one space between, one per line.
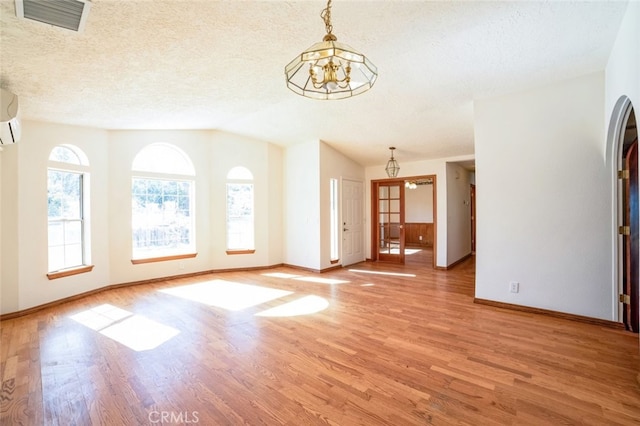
458 213
334 165
302 205
275 229
622 75
9 242
1 149
544 209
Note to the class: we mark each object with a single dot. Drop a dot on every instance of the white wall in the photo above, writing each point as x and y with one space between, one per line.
543 198
549 222
302 205
9 290
418 204
334 165
458 213
275 230
622 75
1 149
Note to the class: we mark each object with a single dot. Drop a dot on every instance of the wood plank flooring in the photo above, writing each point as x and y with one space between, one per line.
223 349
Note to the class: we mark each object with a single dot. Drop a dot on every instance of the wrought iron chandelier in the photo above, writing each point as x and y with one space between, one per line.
330 69
392 168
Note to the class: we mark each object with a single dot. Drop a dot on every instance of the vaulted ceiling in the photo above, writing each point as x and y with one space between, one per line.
196 64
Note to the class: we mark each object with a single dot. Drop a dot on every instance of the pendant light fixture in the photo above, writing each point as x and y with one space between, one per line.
329 69
392 165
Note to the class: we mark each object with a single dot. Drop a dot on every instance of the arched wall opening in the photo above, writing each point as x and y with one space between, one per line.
623 140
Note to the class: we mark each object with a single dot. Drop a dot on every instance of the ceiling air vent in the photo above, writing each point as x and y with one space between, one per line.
69 14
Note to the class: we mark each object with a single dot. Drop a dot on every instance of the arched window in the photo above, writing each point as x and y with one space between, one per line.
68 154
162 219
68 212
163 158
240 221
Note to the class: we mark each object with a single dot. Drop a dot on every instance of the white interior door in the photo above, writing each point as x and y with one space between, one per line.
352 222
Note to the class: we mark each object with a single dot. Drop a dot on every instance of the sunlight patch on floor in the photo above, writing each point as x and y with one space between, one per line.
303 278
321 280
393 274
407 252
280 275
101 316
134 331
140 333
304 306
227 295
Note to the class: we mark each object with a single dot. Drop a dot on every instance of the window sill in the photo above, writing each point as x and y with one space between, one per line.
68 272
240 251
163 258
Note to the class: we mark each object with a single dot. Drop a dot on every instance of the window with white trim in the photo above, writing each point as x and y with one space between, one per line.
240 215
162 202
67 208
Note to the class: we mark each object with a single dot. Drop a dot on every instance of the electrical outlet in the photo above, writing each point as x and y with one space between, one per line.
420 237
514 286
181 265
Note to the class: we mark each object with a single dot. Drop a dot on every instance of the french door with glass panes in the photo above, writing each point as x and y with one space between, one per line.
389 214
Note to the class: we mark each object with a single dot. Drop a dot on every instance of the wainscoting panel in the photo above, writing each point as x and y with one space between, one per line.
413 232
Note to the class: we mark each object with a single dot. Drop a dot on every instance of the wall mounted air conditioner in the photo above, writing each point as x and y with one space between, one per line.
9 121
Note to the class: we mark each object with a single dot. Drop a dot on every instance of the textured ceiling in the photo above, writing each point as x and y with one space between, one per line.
220 65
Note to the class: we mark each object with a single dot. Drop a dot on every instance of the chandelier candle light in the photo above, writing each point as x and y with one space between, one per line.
329 69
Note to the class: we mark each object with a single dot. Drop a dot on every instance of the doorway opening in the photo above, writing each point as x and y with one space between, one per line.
628 220
472 197
403 225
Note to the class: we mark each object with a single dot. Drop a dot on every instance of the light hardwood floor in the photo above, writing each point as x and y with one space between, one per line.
403 349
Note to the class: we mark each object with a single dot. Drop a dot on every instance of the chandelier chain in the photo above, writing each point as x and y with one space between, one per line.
326 17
